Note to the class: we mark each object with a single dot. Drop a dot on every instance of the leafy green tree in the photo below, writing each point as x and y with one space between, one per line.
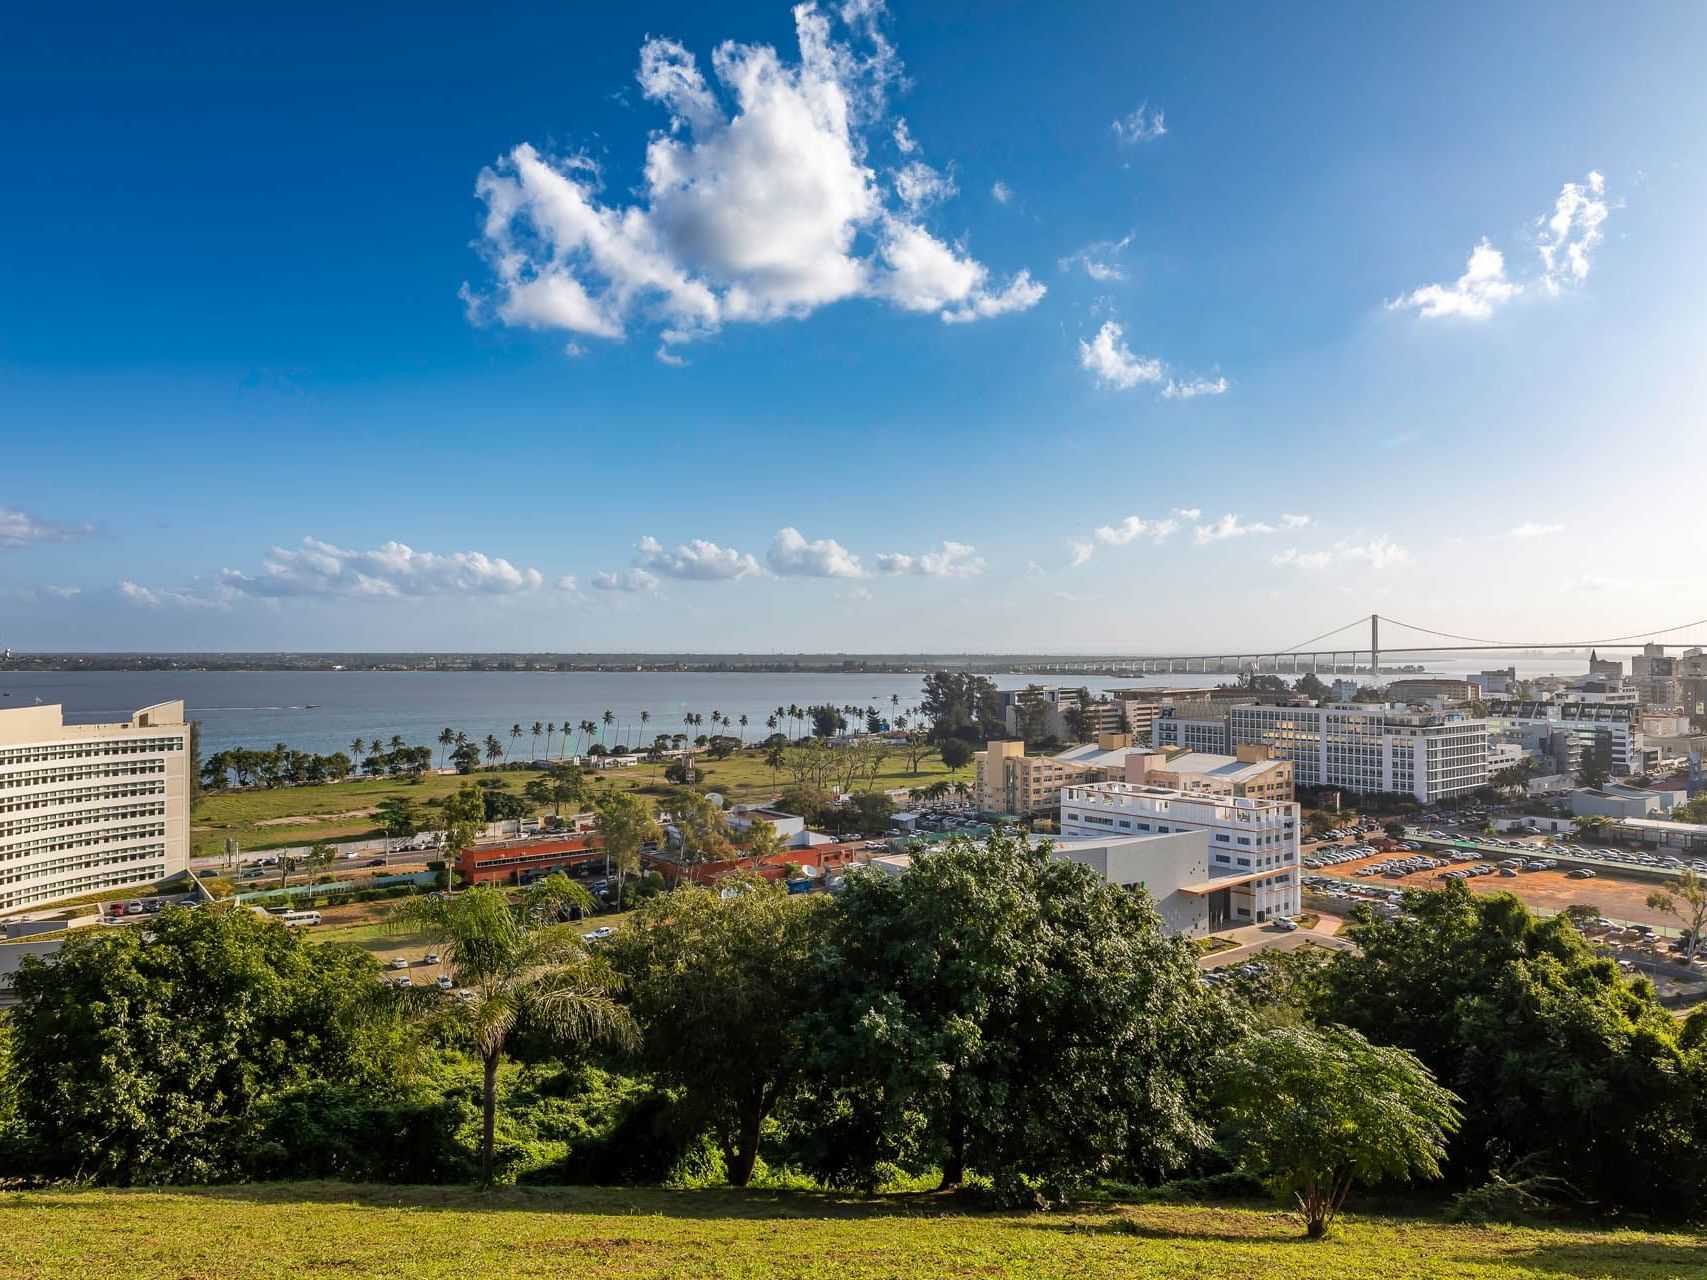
956 753
520 974
763 842
1565 1066
1018 1016
141 1055
719 985
1312 1110
398 816
465 819
1686 899
625 825
701 827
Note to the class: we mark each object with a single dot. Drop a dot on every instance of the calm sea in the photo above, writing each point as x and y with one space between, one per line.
325 710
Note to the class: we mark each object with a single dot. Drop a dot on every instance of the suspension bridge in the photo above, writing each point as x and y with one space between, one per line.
1359 657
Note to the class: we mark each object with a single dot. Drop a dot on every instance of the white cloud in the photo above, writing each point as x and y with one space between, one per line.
567 583
1377 553
1081 551
391 571
21 529
761 210
1187 513
1531 529
1112 363
1001 192
919 186
1565 241
1097 260
627 580
1194 387
1119 535
1572 231
947 560
1142 125
697 561
1474 295
792 556
1230 526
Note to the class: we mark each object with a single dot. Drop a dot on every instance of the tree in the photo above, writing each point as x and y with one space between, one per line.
1394 829
522 975
397 816
719 984
321 855
763 842
465 819
956 752
915 747
494 749
1524 1019
1595 767
1311 1110
625 825
700 826
144 1055
1686 899
1014 1014
1311 686
961 705
533 748
466 757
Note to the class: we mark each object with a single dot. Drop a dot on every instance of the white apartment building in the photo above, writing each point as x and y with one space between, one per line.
87 807
1367 747
1577 723
1249 870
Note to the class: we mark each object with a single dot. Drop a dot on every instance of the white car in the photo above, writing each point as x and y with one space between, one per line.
445 984
398 962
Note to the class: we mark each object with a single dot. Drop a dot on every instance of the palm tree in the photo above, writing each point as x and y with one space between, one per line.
609 718
521 973
771 723
494 750
447 739
515 733
550 728
533 750
356 749
743 730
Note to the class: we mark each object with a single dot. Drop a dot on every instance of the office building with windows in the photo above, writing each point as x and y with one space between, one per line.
1368 747
90 807
1249 870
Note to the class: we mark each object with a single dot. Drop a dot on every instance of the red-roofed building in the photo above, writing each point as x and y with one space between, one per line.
516 860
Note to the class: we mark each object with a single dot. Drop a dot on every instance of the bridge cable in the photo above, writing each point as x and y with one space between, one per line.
1447 635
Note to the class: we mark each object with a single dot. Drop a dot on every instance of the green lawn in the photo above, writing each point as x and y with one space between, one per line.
335 811
341 810
329 1230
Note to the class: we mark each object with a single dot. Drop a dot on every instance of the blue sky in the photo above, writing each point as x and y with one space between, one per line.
635 344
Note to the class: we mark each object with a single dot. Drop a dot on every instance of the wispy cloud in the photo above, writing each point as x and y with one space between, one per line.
1099 260
1531 529
1570 234
1474 295
1231 526
1111 362
1001 192
1141 125
21 529
946 560
1194 387
388 572
1377 553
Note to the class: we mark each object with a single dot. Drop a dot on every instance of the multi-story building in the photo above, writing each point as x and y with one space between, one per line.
1007 781
1041 711
1565 728
1254 771
1369 747
1195 726
1251 858
1430 689
89 807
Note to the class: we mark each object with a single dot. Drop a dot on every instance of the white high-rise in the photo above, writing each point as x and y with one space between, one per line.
1367 747
89 807
1251 867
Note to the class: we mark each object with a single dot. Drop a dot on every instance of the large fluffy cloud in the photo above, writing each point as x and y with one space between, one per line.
1474 295
696 561
1110 361
948 560
792 556
767 207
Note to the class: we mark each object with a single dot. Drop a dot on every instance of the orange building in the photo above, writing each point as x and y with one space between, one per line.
515 860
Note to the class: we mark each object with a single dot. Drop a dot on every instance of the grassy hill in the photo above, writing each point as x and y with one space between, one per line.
327 1230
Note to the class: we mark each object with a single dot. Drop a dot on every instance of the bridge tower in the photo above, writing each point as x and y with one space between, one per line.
1375 647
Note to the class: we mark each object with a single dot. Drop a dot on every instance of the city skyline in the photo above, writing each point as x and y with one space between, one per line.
847 328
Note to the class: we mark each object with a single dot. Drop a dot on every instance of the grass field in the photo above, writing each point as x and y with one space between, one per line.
327 1230
274 819
287 816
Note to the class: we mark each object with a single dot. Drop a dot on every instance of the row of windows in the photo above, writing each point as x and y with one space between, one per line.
78 773
83 750
113 791
78 818
53 844
143 865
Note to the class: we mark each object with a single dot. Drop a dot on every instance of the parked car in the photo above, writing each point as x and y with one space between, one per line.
398 962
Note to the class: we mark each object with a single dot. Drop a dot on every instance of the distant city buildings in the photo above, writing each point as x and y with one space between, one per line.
91 807
1559 730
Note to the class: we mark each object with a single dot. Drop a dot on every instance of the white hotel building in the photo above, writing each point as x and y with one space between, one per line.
1367 747
1226 860
88 807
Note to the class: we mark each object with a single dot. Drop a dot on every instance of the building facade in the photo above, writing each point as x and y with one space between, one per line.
91 807
1007 781
1368 747
1254 771
1252 851
1571 727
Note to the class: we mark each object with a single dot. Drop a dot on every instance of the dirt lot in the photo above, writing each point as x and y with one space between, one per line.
1614 897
